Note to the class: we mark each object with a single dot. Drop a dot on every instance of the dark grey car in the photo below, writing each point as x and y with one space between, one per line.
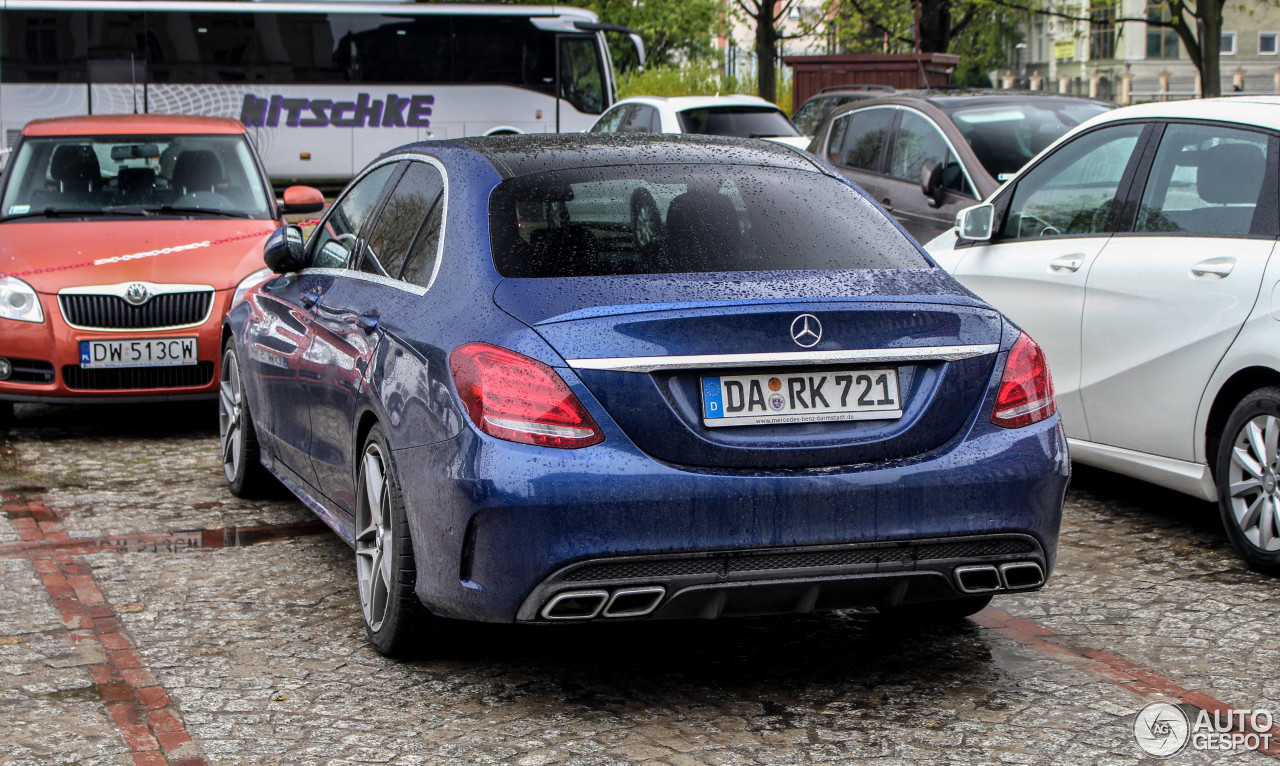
925 155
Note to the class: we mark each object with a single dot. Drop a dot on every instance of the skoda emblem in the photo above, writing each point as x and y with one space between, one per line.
806 330
136 294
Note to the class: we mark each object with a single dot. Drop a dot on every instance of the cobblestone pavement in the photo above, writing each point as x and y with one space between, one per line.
149 617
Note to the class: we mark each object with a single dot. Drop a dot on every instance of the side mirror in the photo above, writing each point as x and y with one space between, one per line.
931 182
301 199
975 223
283 251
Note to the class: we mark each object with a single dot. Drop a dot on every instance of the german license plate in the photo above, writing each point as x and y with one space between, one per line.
800 397
149 352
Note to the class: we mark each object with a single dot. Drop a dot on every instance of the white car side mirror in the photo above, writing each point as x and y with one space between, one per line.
974 223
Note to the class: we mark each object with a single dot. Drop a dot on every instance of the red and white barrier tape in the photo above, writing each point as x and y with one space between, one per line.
146 253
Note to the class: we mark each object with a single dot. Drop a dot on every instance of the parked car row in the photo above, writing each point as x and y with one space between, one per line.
600 377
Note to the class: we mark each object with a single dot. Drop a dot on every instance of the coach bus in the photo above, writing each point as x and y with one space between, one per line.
322 86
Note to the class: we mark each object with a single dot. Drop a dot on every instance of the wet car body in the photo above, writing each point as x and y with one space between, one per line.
657 514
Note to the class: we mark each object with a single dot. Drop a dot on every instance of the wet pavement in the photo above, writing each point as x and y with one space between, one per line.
149 617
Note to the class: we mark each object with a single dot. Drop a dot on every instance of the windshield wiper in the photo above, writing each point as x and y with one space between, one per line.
189 210
58 212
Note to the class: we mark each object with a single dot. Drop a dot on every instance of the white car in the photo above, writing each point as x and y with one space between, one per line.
1138 251
741 116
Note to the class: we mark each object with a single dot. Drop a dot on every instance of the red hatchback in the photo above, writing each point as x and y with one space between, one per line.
124 239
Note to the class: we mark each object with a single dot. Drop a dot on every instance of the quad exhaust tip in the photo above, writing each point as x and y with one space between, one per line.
987 578
634 602
978 579
1021 575
575 605
589 604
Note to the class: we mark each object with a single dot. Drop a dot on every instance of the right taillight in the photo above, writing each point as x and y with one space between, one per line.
1026 389
512 397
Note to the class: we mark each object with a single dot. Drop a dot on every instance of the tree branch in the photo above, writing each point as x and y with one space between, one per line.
959 26
868 18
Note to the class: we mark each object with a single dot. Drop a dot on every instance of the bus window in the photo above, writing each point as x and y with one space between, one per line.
202 47
580 68
503 52
296 48
406 50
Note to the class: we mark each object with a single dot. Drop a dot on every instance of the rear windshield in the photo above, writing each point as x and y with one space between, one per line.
656 219
1006 135
737 121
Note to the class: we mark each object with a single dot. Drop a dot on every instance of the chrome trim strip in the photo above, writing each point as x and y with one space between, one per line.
349 270
779 359
373 279
120 289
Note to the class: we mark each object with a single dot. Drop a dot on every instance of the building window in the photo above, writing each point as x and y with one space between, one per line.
1102 30
1267 43
1228 44
1162 41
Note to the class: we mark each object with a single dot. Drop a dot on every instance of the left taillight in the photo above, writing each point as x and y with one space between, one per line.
1026 389
510 396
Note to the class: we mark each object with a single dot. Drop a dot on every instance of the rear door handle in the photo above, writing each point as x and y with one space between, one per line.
886 203
1218 267
1068 263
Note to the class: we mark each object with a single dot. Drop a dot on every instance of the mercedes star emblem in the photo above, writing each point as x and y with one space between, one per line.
806 330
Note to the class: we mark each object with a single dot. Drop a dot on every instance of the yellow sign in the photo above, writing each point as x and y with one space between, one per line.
1064 49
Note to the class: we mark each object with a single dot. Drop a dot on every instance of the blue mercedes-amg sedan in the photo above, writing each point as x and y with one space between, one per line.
570 378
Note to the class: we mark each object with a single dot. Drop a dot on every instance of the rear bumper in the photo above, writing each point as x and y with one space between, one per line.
507 528
781 580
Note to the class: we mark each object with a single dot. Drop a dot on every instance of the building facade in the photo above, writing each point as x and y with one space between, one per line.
1118 56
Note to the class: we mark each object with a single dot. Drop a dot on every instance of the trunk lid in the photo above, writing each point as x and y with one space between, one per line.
647 346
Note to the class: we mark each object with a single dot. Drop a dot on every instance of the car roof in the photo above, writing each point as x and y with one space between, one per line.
865 90
518 155
131 124
949 99
1262 111
680 103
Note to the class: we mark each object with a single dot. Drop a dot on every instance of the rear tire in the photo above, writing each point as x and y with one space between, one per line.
237 438
938 612
395 620
1248 478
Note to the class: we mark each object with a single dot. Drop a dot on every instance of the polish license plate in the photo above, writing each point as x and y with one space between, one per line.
149 352
800 397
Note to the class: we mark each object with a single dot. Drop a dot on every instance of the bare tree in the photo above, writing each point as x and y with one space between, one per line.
767 16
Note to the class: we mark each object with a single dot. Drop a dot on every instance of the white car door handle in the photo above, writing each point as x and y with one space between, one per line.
1218 267
1070 263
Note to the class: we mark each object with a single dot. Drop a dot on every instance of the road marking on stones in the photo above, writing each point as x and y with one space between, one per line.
149 722
39 531
139 706
1145 682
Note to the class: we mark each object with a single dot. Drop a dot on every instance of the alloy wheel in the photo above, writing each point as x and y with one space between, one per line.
230 410
1254 482
373 538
